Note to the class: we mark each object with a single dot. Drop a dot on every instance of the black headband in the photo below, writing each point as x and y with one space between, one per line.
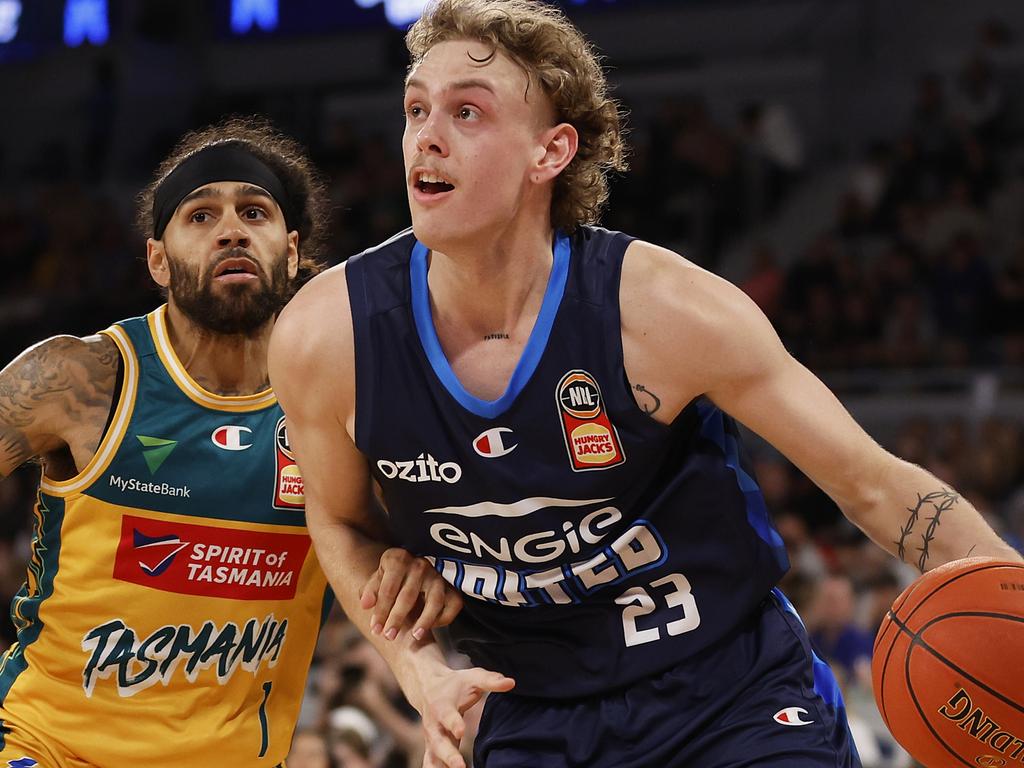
219 162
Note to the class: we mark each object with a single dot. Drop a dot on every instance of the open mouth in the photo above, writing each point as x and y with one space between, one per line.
236 269
431 183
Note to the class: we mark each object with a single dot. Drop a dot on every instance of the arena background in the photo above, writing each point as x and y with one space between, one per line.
857 166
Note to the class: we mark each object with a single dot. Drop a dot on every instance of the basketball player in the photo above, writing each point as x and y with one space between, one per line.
543 404
173 599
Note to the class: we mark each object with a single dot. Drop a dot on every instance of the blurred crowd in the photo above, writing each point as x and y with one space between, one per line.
921 265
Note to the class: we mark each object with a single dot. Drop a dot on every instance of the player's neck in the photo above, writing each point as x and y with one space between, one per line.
490 285
230 365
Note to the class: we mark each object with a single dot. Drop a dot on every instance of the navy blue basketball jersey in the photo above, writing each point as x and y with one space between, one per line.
594 545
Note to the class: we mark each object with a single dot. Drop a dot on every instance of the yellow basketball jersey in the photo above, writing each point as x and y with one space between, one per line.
173 599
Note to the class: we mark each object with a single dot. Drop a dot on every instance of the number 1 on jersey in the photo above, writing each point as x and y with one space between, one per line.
638 602
264 725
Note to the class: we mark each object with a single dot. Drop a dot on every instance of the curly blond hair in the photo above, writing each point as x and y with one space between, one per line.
540 39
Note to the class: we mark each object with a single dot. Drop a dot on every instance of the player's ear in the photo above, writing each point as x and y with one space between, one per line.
557 149
156 259
293 254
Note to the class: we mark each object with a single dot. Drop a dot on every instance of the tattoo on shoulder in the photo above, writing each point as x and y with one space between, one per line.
927 514
650 402
65 375
85 375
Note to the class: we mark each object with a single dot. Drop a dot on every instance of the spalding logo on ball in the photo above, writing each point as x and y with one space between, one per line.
948 665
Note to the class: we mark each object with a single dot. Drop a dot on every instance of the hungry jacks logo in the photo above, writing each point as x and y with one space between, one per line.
289 490
590 436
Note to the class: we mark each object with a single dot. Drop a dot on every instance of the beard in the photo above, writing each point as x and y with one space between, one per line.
235 308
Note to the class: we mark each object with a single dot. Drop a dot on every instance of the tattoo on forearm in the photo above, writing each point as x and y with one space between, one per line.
651 403
930 507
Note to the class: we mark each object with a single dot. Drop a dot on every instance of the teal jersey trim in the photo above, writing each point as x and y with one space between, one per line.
25 607
328 603
181 457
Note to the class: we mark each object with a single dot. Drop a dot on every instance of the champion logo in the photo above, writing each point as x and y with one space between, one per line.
791 716
157 552
491 444
231 437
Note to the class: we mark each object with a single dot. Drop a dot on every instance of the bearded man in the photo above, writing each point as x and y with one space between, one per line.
173 600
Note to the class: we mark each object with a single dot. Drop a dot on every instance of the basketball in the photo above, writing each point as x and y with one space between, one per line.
948 665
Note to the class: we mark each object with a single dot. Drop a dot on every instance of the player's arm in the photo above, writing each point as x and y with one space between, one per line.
312 361
709 337
55 394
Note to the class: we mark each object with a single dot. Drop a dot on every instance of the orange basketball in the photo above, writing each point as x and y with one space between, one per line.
948 665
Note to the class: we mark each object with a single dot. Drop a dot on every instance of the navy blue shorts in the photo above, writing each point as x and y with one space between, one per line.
762 698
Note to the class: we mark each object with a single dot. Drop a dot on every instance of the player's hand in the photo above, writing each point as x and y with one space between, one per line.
402 584
446 698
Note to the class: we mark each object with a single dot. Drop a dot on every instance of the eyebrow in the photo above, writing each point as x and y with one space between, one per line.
458 85
244 190
251 190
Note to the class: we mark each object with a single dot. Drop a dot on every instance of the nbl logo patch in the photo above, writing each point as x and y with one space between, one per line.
289 491
590 436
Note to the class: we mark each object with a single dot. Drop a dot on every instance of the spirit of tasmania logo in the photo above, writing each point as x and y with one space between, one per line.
209 561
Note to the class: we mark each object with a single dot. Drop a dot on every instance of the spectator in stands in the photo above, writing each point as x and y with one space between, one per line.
962 297
1009 310
766 280
931 127
805 556
835 633
773 156
870 182
369 687
978 101
353 736
309 750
